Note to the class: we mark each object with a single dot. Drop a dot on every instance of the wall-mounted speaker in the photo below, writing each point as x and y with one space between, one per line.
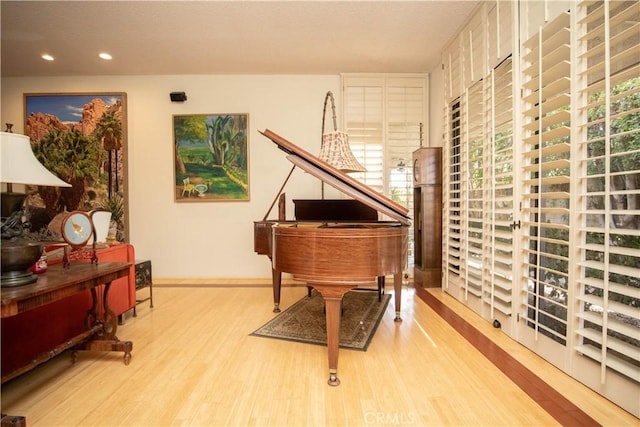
178 96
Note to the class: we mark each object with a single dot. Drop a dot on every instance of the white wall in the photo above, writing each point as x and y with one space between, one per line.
201 240
436 109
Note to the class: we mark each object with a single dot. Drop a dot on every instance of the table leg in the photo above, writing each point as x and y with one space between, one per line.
105 322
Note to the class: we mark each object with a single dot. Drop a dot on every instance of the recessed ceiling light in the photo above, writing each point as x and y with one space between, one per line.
47 57
104 56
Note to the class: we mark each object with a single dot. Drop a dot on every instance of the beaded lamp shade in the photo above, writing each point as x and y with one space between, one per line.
335 151
335 145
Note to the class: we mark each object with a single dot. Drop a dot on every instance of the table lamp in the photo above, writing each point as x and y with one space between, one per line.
19 166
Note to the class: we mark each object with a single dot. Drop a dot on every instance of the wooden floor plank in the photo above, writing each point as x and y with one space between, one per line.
195 363
553 402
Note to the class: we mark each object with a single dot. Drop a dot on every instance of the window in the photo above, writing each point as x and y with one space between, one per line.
542 190
384 117
499 223
609 145
473 188
452 221
546 178
479 205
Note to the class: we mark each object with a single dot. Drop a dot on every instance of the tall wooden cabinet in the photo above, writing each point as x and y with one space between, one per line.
427 204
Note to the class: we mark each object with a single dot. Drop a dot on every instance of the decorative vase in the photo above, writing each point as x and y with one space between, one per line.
102 223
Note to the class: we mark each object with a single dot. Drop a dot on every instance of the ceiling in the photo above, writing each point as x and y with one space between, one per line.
219 37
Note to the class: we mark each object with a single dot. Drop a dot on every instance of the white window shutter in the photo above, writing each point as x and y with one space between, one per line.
547 179
385 118
610 191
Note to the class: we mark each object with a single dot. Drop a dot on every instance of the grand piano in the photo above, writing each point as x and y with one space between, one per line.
335 256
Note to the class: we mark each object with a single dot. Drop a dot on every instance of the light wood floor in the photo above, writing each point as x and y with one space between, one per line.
194 363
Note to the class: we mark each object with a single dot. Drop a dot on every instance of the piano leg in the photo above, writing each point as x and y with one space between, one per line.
333 303
380 288
397 297
276 280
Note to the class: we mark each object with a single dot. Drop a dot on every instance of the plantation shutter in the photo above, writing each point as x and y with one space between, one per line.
364 123
546 182
560 207
500 197
452 69
473 50
473 187
452 163
499 32
609 331
384 117
405 122
452 214
479 197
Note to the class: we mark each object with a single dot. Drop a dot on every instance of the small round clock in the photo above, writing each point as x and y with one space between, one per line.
77 229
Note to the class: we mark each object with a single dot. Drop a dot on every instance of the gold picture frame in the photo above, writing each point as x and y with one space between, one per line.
211 157
82 138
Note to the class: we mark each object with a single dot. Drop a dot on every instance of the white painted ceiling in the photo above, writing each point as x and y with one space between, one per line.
213 37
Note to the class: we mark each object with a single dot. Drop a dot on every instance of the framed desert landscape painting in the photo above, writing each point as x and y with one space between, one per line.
82 138
211 159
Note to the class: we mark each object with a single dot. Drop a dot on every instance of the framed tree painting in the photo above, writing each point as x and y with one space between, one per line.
82 138
211 157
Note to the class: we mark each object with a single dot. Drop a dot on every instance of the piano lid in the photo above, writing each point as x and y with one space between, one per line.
339 180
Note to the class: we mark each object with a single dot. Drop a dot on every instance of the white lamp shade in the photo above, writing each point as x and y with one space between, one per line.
19 164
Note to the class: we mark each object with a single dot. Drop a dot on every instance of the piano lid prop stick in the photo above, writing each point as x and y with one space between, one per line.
278 195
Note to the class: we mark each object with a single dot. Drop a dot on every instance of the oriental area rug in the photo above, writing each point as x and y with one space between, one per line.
305 320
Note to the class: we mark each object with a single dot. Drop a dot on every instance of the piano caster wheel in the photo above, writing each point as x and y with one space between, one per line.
276 309
333 380
397 318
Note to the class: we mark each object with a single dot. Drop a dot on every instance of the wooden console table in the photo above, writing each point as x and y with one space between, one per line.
58 283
